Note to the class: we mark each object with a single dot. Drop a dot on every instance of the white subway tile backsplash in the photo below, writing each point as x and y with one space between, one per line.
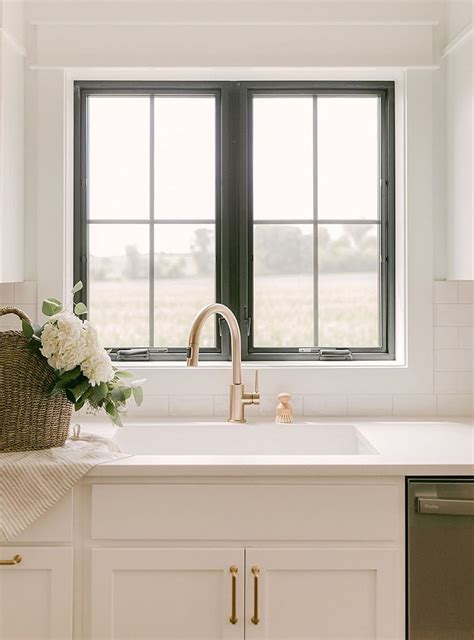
375 405
25 292
29 309
325 405
455 405
446 337
466 337
6 294
466 382
190 406
12 321
453 315
221 406
152 406
446 382
445 291
466 291
453 360
414 405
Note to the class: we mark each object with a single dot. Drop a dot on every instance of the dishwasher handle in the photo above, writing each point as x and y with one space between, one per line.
445 507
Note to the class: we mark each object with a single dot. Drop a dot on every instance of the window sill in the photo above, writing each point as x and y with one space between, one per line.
268 365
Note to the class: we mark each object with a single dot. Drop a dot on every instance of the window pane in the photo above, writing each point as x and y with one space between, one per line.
118 283
119 164
348 158
185 157
283 285
185 258
282 158
349 285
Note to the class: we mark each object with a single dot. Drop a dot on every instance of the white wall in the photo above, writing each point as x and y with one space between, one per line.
458 64
12 57
290 39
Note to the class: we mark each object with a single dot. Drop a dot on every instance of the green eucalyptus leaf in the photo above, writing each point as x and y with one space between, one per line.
70 396
79 404
123 373
51 306
118 394
27 329
77 287
80 309
99 392
37 330
69 376
80 389
110 409
137 383
137 395
117 420
58 387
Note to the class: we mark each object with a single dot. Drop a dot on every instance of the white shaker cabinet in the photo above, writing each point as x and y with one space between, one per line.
190 594
35 593
211 559
328 594
164 594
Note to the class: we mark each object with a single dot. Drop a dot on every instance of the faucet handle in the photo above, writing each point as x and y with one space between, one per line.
256 393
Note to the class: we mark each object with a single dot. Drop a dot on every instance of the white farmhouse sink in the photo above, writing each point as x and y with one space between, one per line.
223 438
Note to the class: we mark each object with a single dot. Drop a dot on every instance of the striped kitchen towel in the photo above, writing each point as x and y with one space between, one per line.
33 481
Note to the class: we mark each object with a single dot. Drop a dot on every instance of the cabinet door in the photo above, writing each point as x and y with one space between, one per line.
36 594
166 594
337 594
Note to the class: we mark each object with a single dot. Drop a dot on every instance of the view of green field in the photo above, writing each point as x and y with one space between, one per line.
283 316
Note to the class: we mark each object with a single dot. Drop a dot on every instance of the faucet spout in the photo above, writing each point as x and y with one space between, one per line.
192 359
238 398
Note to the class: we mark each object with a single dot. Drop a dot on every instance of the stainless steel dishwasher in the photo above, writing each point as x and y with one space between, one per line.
440 571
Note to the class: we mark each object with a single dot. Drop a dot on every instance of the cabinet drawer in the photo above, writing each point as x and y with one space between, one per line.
54 526
245 512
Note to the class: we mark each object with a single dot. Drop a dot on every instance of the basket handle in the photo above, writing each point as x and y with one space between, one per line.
18 312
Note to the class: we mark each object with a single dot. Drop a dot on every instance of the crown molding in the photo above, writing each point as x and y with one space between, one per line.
12 42
234 23
458 41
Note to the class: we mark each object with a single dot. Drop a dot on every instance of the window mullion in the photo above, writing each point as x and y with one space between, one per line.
151 270
315 225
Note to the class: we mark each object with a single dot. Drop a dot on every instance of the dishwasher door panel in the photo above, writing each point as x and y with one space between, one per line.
440 560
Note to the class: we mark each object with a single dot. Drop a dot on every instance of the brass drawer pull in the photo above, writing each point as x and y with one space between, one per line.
15 560
256 574
233 616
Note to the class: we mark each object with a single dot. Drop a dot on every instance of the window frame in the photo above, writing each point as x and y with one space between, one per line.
224 249
385 91
234 220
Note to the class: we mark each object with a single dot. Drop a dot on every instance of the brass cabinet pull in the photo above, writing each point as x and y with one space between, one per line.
233 616
256 574
15 560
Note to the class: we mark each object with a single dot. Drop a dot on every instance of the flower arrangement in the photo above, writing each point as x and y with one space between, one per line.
84 368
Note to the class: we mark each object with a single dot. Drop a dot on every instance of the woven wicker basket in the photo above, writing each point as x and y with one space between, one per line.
29 419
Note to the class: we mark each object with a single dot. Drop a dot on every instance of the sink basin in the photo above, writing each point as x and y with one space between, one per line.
222 438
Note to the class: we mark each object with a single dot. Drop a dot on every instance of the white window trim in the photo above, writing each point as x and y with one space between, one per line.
412 369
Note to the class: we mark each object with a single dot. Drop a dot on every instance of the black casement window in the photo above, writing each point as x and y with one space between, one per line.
274 198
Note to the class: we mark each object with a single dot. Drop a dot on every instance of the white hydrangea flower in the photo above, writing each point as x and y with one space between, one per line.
97 367
92 343
63 341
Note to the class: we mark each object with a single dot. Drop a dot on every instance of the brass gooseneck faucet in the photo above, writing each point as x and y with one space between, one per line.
238 397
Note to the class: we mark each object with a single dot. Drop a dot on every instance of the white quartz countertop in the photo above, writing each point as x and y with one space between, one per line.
405 447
